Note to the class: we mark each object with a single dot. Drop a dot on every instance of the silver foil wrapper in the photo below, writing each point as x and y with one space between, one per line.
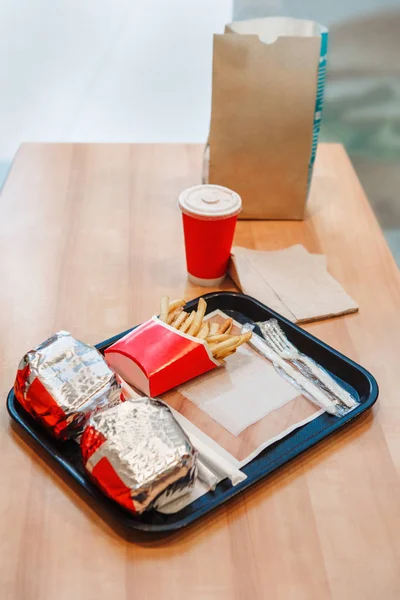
138 453
61 383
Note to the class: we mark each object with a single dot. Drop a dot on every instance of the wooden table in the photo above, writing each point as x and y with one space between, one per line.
90 237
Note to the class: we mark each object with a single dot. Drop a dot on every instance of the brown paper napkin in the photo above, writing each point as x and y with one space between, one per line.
292 282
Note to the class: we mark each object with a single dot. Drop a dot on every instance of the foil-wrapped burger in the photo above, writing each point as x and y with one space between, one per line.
62 381
137 453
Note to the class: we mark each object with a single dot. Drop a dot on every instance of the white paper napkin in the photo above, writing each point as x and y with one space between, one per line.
226 396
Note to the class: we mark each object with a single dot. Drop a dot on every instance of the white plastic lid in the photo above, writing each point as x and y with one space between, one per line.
210 202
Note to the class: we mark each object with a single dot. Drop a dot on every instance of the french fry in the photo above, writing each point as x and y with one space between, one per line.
214 328
245 337
198 319
176 304
227 324
172 315
230 343
220 337
179 319
188 322
164 309
204 331
225 353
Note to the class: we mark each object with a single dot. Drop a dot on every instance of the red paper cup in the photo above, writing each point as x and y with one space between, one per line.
209 214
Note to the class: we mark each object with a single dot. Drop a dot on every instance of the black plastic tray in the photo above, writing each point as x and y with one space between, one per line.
242 308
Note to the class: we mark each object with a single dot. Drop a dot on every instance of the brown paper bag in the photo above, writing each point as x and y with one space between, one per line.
264 91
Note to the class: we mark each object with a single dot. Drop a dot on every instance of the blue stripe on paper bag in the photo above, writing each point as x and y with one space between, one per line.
319 102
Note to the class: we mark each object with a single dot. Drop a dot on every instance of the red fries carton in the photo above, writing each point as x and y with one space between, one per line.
156 357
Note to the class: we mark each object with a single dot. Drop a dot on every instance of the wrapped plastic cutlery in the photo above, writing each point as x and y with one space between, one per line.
277 340
297 379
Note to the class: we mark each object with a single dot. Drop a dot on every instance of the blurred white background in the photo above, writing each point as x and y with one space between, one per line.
106 70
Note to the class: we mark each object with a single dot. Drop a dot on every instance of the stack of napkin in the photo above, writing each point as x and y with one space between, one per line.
293 282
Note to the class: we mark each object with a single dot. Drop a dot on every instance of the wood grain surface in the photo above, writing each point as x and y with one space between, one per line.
90 237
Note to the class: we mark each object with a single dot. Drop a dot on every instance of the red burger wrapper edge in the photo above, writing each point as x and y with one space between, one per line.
155 357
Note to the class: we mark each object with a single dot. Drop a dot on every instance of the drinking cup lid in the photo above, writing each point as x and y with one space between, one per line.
210 202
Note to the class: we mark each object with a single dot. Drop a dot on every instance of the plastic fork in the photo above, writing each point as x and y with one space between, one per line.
302 383
277 340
